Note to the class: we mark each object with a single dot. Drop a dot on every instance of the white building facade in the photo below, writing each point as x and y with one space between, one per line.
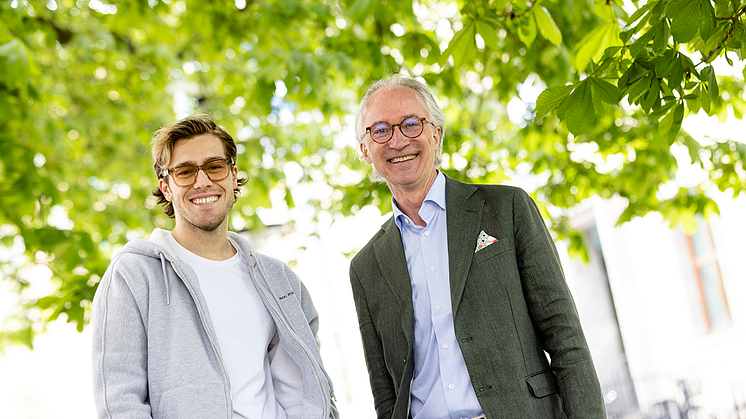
664 311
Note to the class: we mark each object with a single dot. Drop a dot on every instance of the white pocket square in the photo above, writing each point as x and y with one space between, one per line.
483 241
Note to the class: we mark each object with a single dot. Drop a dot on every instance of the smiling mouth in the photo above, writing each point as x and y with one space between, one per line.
207 200
402 158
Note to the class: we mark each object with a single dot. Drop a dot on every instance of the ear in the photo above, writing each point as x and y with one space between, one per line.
163 186
436 135
235 177
365 152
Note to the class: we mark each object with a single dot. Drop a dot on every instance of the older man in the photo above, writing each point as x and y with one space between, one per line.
460 296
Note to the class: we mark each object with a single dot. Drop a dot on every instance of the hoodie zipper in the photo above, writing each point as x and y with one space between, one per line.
209 336
327 400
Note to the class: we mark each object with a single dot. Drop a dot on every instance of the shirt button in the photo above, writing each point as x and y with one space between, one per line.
427 234
432 269
451 386
406 220
438 307
445 346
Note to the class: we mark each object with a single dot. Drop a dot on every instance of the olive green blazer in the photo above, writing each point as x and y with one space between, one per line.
510 305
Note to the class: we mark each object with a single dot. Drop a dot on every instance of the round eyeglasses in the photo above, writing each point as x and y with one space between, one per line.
411 127
186 174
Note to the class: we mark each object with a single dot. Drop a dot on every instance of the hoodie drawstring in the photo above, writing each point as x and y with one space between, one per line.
165 277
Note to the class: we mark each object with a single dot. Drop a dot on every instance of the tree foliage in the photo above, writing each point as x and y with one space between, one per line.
84 83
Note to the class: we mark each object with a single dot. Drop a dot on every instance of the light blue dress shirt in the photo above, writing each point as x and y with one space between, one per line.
441 387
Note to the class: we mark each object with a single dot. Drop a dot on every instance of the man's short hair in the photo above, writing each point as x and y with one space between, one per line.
398 80
165 139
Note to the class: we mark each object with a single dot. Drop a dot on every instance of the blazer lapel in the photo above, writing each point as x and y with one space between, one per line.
392 262
464 218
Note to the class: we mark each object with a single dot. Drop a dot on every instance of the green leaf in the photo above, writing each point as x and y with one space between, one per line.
549 99
488 32
708 76
547 26
665 125
678 118
633 73
713 41
665 64
605 91
671 124
639 88
639 13
593 45
660 40
674 7
359 10
662 110
708 20
723 4
18 65
685 22
656 12
604 10
462 46
652 96
563 107
581 114
639 45
677 73
527 28
705 100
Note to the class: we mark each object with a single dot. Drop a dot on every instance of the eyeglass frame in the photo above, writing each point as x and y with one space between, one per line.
422 119
168 171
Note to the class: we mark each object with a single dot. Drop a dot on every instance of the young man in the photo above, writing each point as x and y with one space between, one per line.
193 323
461 292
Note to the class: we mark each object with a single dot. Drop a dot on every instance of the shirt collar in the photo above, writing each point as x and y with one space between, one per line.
436 195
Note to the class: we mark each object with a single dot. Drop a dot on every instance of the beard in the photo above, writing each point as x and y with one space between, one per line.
208 225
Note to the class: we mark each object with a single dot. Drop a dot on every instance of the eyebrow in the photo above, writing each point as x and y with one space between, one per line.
192 163
402 120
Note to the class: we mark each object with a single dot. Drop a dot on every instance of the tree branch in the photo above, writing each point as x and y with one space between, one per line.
734 18
518 15
718 48
63 35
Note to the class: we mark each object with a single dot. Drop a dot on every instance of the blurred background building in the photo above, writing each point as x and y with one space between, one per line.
663 311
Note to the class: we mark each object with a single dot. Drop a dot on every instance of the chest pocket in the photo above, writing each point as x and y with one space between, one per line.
497 248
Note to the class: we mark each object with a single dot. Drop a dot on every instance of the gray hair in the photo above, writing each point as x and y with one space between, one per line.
437 116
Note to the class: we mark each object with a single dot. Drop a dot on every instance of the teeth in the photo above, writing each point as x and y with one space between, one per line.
207 200
404 158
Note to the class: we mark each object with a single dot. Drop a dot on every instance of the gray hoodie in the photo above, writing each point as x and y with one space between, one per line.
155 352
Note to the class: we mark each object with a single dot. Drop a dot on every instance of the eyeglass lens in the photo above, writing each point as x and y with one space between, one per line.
410 127
215 170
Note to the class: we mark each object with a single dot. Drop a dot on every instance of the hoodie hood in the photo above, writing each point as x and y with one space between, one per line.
159 237
157 246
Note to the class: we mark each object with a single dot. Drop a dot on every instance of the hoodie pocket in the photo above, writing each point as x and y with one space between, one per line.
205 401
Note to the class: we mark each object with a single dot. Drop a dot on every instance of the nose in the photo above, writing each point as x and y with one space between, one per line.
202 179
398 139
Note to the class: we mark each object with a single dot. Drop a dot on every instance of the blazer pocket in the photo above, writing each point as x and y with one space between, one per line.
491 251
542 384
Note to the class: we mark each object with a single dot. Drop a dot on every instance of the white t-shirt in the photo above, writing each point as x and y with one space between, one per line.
244 329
